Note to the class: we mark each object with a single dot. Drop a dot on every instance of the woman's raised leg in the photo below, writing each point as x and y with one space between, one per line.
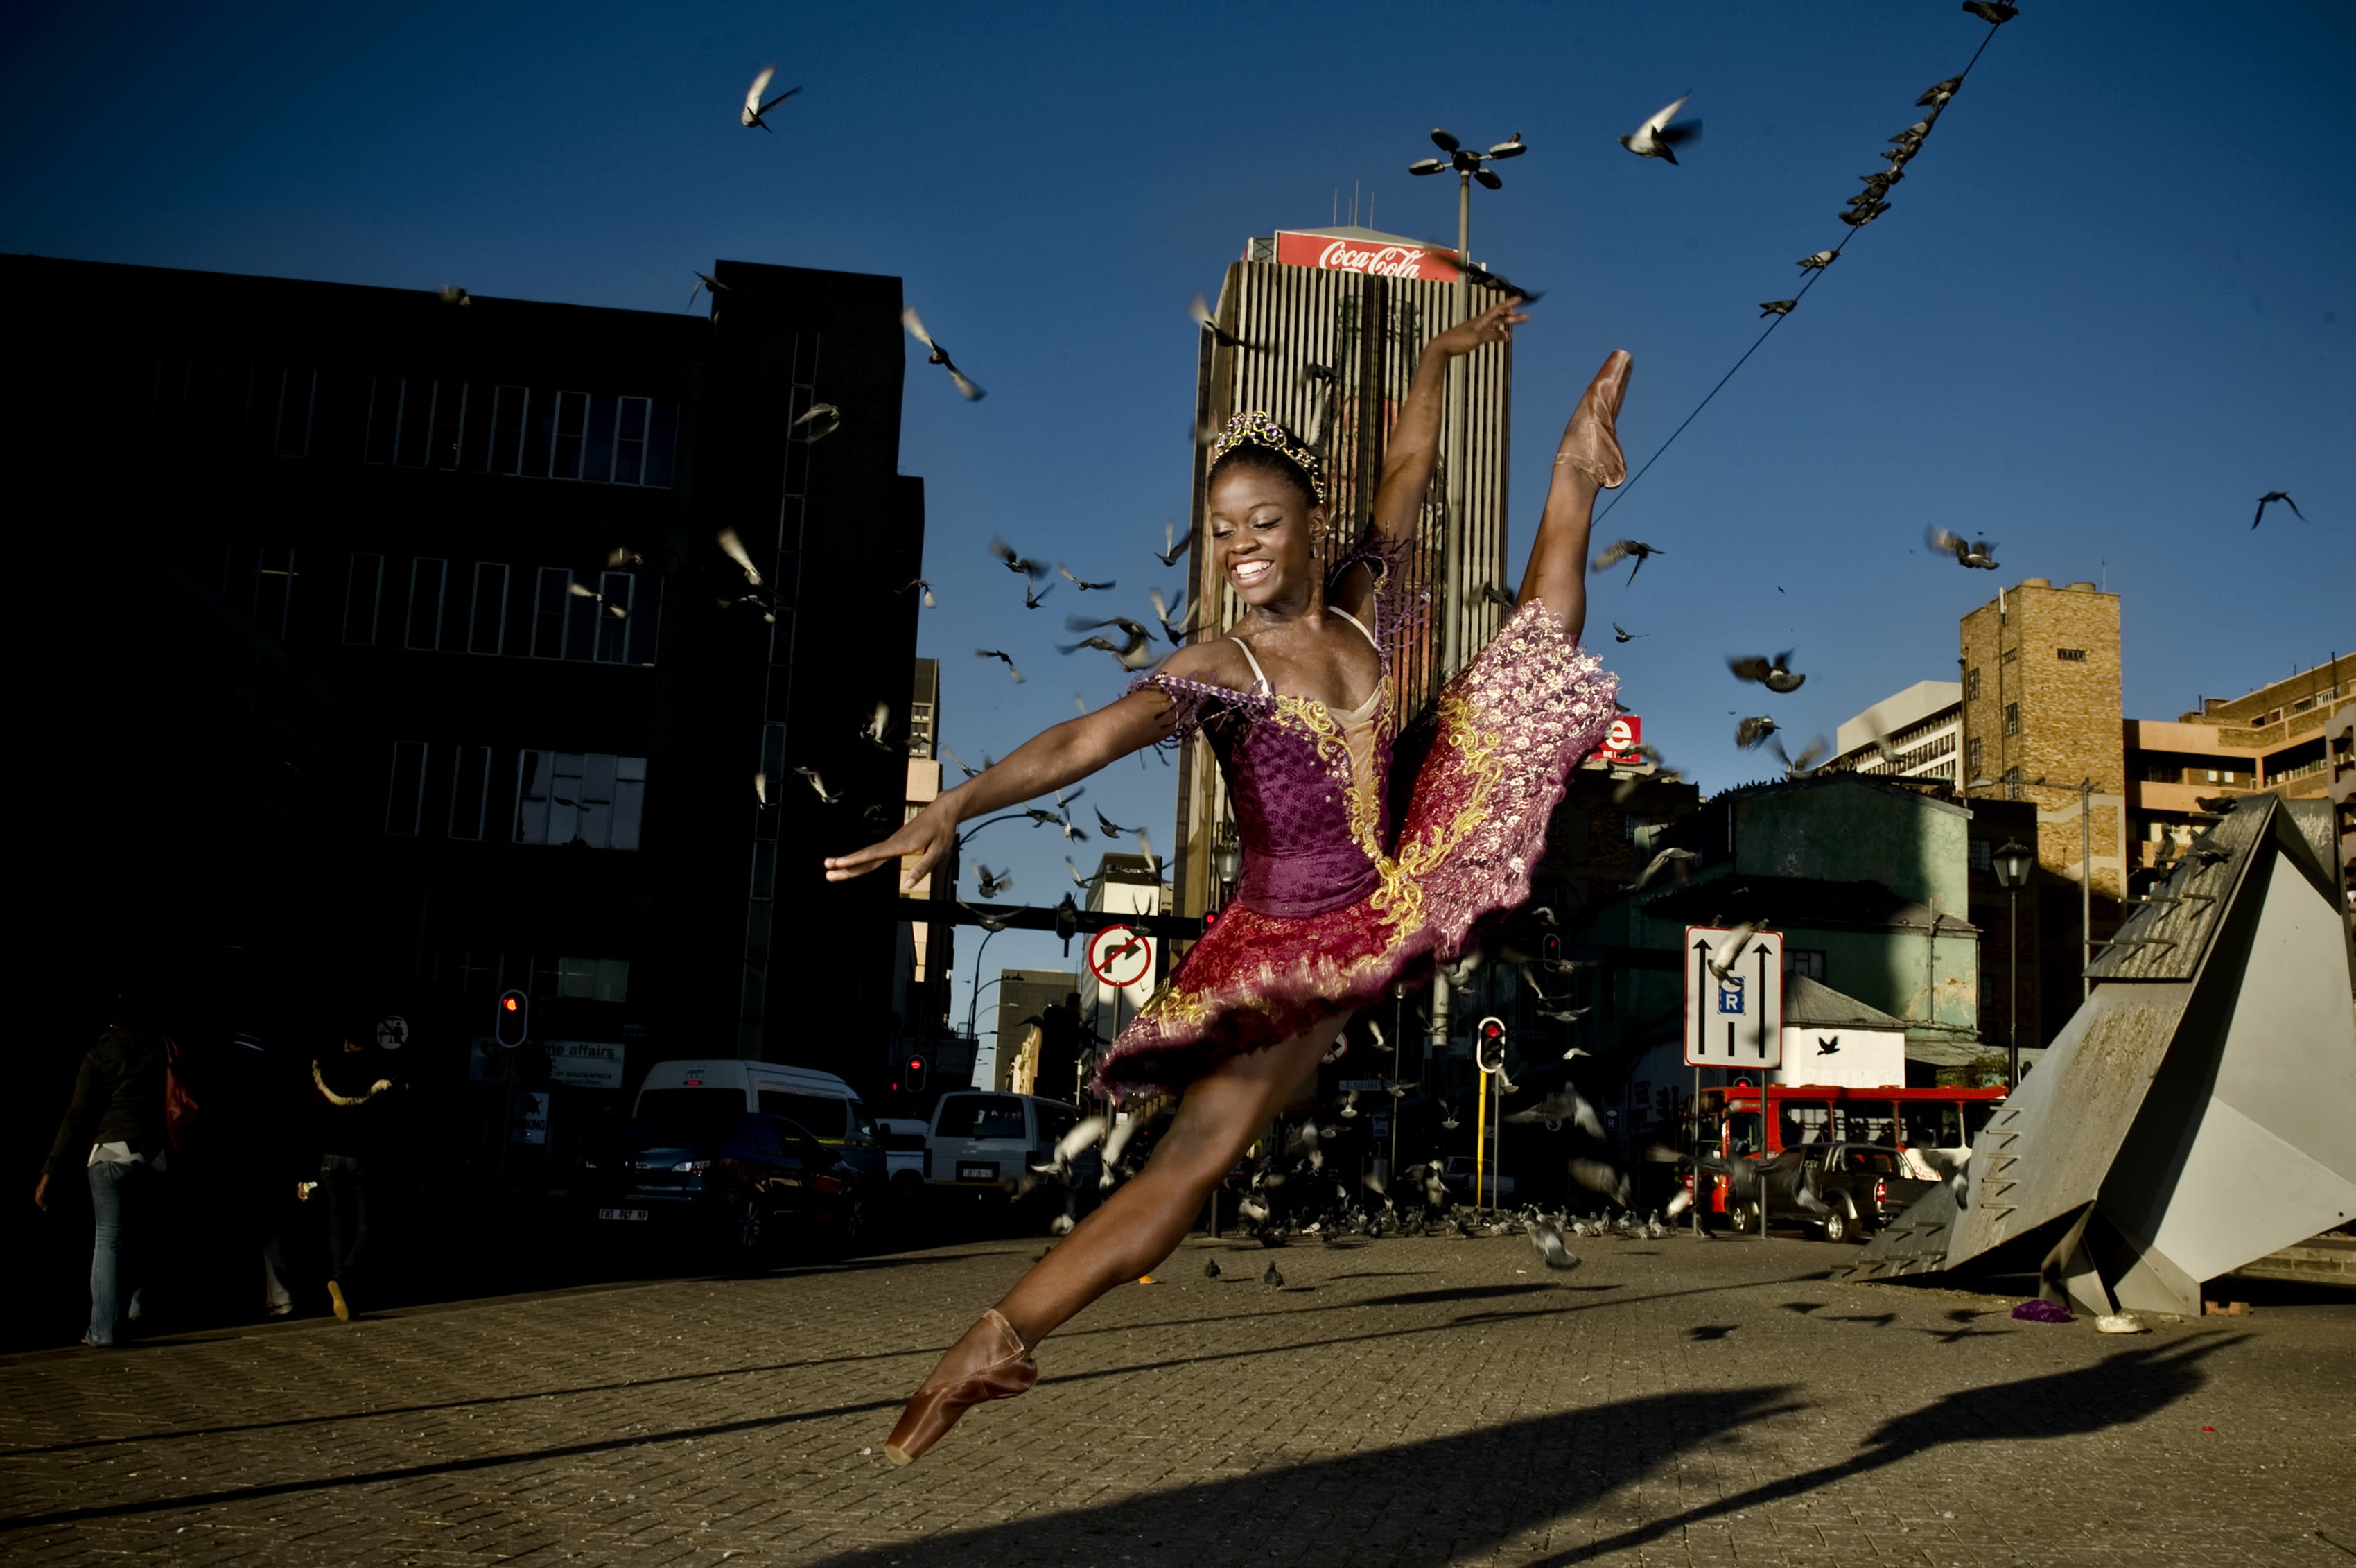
1140 1224
1587 461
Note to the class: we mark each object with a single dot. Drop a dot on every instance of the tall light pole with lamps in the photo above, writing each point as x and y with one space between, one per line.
1469 166
2013 864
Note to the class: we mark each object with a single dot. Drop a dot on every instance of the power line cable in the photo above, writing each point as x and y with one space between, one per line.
1815 277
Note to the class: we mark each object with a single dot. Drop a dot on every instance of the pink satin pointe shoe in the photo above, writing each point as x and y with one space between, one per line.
1591 445
936 1407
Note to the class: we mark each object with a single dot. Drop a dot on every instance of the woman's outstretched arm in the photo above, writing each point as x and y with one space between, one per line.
1045 763
1588 460
1414 443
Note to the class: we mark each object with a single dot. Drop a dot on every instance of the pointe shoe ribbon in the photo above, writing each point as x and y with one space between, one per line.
1591 445
934 1408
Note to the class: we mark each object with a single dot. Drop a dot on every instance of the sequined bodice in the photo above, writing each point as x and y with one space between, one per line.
1310 798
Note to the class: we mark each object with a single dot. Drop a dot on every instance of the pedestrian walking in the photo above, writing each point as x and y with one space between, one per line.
356 1090
114 1126
254 1113
1332 907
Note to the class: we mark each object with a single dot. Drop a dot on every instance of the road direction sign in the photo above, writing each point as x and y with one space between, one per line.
1120 957
1734 1010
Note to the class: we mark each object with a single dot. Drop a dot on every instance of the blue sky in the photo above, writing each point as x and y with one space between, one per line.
2109 306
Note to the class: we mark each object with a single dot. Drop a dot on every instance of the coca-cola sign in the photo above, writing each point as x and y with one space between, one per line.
1374 258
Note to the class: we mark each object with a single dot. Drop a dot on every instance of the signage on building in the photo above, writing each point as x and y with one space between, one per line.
1621 741
1734 998
1328 254
529 1123
585 1064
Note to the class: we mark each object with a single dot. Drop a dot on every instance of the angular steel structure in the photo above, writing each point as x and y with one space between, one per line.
2196 1114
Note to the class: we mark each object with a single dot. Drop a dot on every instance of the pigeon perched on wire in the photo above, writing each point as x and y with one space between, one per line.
1937 96
1620 549
2268 499
750 115
1819 261
937 355
1993 13
1658 138
1776 677
1966 552
1858 217
1006 658
1777 306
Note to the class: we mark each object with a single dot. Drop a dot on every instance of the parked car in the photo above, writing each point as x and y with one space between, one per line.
825 1106
982 1139
740 1186
1863 1187
903 1138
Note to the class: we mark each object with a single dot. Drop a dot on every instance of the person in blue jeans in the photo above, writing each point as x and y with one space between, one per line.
114 1126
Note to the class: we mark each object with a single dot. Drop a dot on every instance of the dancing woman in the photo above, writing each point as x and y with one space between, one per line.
1331 907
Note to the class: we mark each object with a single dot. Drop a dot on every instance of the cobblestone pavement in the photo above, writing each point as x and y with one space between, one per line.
1401 1402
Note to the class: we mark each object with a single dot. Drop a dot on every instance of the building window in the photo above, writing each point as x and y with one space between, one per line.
2011 654
470 791
509 408
404 804
2012 783
595 979
260 579
2075 655
1637 829
1972 685
630 441
1972 759
385 397
427 578
1981 856
567 434
1809 961
2162 773
362 590
447 425
2012 718
486 625
590 799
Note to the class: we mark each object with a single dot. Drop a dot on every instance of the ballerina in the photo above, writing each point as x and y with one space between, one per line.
1332 907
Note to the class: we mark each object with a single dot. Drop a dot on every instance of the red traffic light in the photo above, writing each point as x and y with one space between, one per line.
1492 1030
511 1003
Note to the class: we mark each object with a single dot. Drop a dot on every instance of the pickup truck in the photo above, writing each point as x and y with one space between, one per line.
1862 1186
904 1154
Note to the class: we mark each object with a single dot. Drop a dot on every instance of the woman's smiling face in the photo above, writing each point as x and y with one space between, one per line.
1262 529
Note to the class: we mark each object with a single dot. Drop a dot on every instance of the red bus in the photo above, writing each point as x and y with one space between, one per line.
1730 1126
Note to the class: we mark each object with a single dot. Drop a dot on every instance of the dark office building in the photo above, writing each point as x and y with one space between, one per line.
404 648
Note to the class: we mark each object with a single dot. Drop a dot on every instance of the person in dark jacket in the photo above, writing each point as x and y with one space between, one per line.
114 1128
356 1088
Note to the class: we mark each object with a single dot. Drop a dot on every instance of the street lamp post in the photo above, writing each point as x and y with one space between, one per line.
1469 166
973 1007
2012 863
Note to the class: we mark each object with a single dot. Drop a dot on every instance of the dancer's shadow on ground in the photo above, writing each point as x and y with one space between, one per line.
1468 1495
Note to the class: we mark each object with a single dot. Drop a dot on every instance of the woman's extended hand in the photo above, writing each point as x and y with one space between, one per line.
930 836
1494 325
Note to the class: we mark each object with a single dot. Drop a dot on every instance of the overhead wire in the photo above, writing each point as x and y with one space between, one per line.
1814 276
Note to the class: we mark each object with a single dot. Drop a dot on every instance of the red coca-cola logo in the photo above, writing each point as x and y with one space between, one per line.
1327 254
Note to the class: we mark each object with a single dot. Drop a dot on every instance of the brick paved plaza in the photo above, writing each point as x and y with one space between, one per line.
1403 1402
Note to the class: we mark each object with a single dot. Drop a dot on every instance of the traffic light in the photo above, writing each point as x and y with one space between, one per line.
1550 948
1489 1046
1067 922
512 1019
912 1077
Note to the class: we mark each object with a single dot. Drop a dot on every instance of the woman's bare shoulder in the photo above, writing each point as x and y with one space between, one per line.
1216 663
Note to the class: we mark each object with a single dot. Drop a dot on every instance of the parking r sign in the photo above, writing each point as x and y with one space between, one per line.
1734 998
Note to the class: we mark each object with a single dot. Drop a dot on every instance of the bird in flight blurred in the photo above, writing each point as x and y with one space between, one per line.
937 355
754 108
1775 677
1200 310
705 280
1621 634
1620 549
1657 138
1034 570
2268 499
1173 546
930 601
1970 553
1083 587
1006 658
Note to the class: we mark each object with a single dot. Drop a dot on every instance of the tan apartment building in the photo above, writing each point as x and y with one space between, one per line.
2272 739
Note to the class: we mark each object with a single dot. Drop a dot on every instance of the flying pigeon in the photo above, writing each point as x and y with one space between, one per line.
930 603
1201 311
1621 634
1657 138
937 355
1680 858
1751 731
705 280
1620 549
828 417
1022 564
1966 552
819 784
1173 547
1083 587
2268 499
1007 659
1548 1239
1776 677
989 883
754 108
